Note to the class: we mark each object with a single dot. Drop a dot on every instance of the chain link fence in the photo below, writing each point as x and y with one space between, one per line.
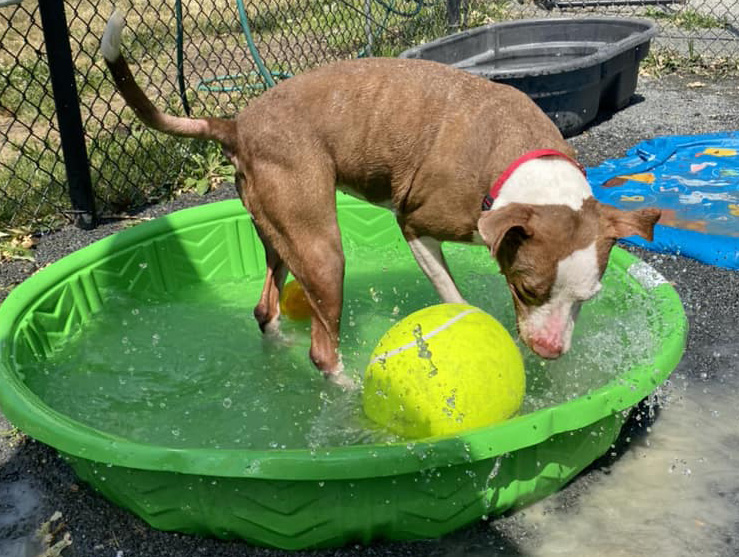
211 58
704 31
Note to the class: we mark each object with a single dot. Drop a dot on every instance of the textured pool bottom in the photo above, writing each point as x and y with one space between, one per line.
317 496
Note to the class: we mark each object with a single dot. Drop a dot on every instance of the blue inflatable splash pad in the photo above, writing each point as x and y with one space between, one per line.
694 179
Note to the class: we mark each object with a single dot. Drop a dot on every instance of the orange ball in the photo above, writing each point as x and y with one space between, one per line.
294 303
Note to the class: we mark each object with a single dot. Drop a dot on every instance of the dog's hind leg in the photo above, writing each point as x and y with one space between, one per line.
302 231
316 259
267 310
319 267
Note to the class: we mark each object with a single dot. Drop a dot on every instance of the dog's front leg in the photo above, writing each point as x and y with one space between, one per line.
430 258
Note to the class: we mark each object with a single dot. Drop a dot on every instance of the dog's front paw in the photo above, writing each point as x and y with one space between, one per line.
274 333
271 328
342 380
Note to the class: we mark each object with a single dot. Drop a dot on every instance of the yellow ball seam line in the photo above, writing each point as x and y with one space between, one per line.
427 336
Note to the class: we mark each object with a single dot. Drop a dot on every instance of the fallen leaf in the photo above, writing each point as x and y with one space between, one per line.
28 242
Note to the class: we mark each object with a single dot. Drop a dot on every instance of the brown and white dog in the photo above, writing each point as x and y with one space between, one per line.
427 141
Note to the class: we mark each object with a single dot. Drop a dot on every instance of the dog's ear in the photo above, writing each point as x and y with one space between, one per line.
619 224
495 224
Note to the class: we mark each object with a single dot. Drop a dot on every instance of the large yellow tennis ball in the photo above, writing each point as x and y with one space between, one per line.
441 370
293 302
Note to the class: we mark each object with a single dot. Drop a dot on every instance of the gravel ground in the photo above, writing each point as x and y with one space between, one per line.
34 482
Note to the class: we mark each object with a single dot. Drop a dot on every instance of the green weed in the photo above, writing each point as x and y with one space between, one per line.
14 436
687 19
668 61
52 538
16 243
206 170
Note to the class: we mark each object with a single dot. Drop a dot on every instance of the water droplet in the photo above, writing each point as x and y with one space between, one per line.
227 402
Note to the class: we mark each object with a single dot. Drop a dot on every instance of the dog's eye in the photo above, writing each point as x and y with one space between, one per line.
527 295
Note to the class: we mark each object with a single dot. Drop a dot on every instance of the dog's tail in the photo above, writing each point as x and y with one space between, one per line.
217 129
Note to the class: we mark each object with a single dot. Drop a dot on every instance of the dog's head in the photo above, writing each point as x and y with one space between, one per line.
553 258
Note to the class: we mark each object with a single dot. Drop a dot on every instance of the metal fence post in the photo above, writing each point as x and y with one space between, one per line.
453 14
66 101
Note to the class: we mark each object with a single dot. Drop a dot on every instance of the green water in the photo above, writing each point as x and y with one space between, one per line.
192 369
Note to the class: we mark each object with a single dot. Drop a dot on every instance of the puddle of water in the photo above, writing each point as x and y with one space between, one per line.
19 503
673 492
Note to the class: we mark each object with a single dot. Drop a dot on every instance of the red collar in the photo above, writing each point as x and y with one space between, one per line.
487 203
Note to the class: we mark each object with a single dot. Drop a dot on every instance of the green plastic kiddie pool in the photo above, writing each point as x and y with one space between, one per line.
137 359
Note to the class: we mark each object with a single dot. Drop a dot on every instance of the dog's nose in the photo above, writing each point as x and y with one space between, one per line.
547 347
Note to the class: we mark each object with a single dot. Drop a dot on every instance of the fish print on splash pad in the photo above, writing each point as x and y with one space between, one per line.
694 179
